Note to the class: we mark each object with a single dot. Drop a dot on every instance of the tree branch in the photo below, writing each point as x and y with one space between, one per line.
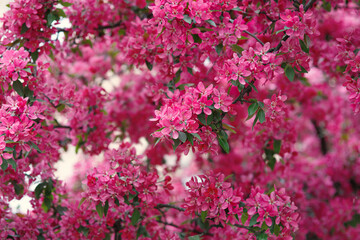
309 5
169 206
257 39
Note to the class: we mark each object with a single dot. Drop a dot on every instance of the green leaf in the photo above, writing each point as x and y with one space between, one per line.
211 22
135 217
196 38
277 145
219 48
252 109
187 19
261 115
222 138
60 107
35 55
149 65
65 4
60 12
4 164
81 201
282 30
19 188
196 135
327 6
252 85
191 138
201 118
176 144
289 72
182 137
38 190
196 237
244 217
209 119
354 221
262 236
46 205
276 229
203 215
106 207
18 87
12 163
50 18
255 121
237 48
35 147
24 28
100 209
83 230
253 220
303 46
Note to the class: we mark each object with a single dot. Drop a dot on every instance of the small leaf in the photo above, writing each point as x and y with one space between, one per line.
252 85
253 220
261 115
262 236
277 145
83 230
60 12
244 217
19 188
276 230
191 138
219 48
196 38
135 217
187 19
196 237
35 55
211 22
203 215
106 207
222 138
38 190
24 28
35 147
149 65
252 109
327 6
196 135
81 201
237 48
100 209
18 87
12 163
303 46
182 137
65 4
289 72
201 118
4 164
176 144
60 107
50 18
209 119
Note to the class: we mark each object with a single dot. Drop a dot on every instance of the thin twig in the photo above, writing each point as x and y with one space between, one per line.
170 206
257 39
309 5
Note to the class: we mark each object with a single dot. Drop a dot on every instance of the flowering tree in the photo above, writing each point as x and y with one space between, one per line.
262 96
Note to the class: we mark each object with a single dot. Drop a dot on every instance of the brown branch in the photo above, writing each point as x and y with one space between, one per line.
245 90
309 5
255 37
118 24
169 206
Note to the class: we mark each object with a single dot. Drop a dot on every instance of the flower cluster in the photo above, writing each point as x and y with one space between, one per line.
179 117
